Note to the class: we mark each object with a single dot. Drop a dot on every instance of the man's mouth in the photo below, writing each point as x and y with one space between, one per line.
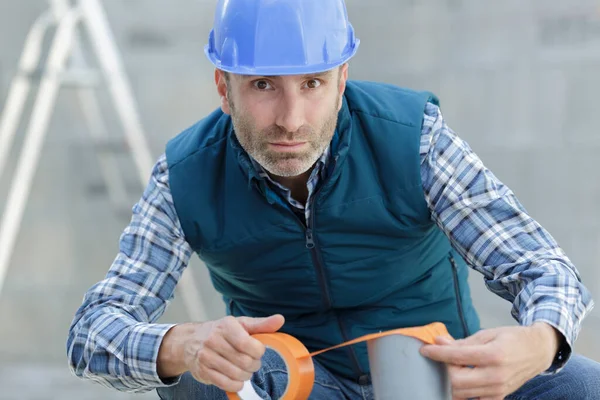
287 146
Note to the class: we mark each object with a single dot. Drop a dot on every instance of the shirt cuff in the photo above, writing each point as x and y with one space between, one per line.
142 354
567 336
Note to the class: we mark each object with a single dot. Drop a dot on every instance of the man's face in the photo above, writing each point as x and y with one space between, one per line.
283 122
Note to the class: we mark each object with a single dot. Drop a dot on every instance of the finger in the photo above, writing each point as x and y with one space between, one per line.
465 378
211 360
200 379
235 334
219 344
262 325
468 383
478 393
241 360
223 382
443 340
459 355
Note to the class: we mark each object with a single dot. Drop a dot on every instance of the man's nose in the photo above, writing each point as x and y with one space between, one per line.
290 112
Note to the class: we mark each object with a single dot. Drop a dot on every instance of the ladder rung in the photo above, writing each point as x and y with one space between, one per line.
73 77
111 146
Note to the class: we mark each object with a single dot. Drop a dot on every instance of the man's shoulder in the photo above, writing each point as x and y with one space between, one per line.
388 101
379 86
210 131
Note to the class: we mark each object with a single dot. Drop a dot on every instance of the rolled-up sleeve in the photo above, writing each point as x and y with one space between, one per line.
519 259
113 339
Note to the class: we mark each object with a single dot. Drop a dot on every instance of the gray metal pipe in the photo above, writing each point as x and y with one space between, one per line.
400 372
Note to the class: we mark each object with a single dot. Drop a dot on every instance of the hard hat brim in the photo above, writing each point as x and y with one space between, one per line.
279 70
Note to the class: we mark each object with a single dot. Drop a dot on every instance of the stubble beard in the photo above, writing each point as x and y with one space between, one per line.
283 164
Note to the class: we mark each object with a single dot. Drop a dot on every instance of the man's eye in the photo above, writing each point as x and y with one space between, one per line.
313 83
262 85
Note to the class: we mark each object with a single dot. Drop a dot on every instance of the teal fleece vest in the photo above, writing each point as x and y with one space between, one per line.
373 259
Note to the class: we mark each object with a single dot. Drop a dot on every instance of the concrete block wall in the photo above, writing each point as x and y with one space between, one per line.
518 80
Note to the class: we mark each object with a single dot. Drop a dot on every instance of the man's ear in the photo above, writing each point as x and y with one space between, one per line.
221 83
342 86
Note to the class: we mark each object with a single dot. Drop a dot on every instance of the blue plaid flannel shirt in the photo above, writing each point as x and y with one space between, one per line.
114 338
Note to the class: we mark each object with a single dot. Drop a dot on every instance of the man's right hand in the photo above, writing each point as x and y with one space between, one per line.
220 353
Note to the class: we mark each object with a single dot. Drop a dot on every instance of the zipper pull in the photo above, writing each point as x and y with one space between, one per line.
310 243
453 263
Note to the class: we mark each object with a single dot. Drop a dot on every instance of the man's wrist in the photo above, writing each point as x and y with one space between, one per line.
171 354
551 337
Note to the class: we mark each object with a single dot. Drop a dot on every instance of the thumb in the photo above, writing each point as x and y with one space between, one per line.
262 325
443 340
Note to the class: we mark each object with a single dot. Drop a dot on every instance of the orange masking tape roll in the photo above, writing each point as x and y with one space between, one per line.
299 363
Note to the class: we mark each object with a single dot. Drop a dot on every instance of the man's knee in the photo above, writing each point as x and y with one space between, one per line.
271 361
264 379
579 380
189 388
272 376
584 377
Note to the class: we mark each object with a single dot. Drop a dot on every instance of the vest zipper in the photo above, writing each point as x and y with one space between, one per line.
310 242
312 245
318 263
349 349
458 298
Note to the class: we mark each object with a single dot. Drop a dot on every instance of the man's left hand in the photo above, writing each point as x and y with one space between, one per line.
494 363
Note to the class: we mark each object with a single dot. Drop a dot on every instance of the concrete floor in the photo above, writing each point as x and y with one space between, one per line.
519 82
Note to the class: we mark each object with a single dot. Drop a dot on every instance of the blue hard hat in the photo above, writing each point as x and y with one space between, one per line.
280 37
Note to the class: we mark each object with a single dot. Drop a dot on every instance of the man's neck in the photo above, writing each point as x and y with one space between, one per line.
296 184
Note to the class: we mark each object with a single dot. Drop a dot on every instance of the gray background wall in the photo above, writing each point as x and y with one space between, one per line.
518 80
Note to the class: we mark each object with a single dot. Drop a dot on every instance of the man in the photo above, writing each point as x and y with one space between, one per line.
326 209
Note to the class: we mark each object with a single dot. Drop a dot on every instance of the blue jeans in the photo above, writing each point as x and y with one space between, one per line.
579 380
